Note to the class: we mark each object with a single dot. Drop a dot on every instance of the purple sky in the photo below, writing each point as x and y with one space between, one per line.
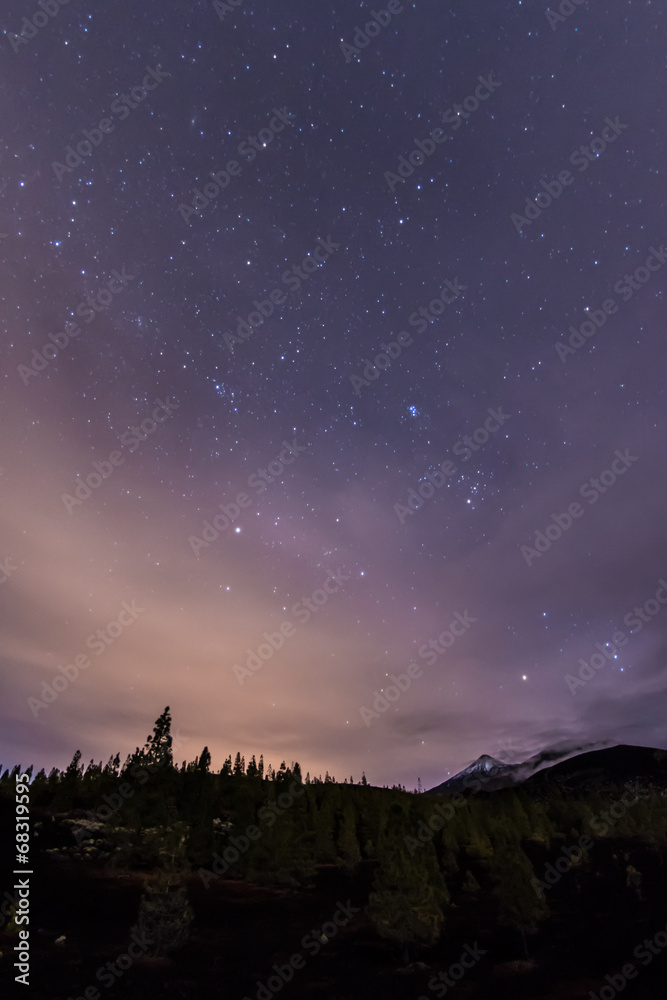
334 508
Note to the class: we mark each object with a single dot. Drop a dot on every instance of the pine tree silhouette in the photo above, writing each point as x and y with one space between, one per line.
408 891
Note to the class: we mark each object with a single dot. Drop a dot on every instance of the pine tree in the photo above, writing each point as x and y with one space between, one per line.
74 771
518 904
157 749
165 915
325 845
470 886
113 765
70 784
448 852
252 770
408 893
347 842
479 847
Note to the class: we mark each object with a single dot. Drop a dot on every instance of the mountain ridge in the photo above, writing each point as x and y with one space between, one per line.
580 768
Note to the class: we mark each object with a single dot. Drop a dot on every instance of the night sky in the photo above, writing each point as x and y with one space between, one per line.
310 205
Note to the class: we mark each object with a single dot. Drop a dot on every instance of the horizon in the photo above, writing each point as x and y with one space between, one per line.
562 756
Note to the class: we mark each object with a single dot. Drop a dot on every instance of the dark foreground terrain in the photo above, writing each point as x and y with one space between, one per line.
156 881
241 930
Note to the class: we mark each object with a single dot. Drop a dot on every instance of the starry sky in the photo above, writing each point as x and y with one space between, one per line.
154 284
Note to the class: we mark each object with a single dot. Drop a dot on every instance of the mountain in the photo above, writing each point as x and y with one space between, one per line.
573 769
491 774
605 770
486 772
